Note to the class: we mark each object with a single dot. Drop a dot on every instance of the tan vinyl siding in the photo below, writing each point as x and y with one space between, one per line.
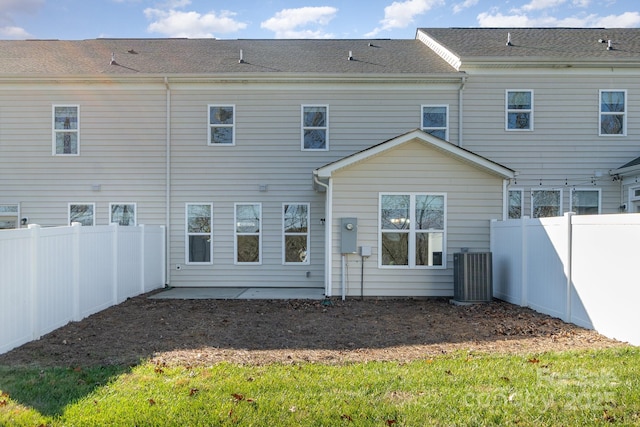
564 146
268 152
473 198
122 148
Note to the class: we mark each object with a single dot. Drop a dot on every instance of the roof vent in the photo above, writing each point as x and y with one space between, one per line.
609 47
241 60
509 40
113 59
350 57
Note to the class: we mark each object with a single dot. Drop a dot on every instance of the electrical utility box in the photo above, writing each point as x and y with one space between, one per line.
348 235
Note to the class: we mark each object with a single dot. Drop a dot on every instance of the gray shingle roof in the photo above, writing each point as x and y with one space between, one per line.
569 44
205 56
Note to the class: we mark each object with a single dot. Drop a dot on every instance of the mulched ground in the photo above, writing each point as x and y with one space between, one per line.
202 332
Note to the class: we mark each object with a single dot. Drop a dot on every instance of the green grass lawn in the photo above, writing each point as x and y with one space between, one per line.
551 389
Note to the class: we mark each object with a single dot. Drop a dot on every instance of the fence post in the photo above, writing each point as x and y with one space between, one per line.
143 266
34 284
567 265
75 260
114 265
524 290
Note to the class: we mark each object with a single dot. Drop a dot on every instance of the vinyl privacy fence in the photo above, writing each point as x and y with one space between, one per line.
51 276
580 268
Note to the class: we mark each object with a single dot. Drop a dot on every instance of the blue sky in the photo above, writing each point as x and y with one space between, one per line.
268 19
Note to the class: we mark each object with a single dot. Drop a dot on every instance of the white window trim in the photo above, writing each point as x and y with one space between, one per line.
135 212
633 198
187 233
81 203
446 126
507 110
325 127
560 210
54 131
521 190
624 113
232 126
236 234
586 189
307 234
412 232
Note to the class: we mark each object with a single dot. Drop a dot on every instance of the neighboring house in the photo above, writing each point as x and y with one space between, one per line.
257 154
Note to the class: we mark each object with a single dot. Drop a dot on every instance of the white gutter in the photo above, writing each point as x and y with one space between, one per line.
328 242
460 112
168 180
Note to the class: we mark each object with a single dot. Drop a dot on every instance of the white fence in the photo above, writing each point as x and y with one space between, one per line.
582 269
51 276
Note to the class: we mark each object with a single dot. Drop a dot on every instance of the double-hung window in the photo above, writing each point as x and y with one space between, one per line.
545 203
585 201
295 224
412 230
435 120
515 203
9 216
248 233
613 108
315 127
222 125
122 214
199 233
66 130
519 110
84 213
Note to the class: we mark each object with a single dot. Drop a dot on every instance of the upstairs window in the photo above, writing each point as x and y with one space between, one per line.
66 130
221 125
84 213
296 233
515 204
435 120
519 110
199 233
412 230
315 127
545 203
613 108
122 214
248 246
585 201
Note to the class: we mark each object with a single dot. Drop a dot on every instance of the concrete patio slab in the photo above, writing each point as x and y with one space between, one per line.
240 293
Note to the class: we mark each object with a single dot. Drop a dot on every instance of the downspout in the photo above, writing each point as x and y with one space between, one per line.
168 181
328 203
460 112
505 199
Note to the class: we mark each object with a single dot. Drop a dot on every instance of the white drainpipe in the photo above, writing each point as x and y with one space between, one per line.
328 241
168 181
460 110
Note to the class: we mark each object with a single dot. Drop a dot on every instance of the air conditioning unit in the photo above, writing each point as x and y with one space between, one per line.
472 277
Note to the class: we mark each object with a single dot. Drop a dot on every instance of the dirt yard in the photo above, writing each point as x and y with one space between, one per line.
197 332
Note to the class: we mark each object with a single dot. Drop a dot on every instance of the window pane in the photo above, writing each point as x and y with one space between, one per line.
199 219
66 143
248 248
314 117
8 208
429 212
295 218
612 102
395 249
394 212
585 202
222 135
519 101
295 248
440 133
199 249
515 204
546 203
611 124
123 214
434 117
315 138
82 214
66 118
248 218
519 120
429 248
221 115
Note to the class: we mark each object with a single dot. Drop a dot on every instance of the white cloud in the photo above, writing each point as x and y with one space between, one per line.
8 8
286 23
10 32
174 23
625 20
459 7
401 14
581 3
542 4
